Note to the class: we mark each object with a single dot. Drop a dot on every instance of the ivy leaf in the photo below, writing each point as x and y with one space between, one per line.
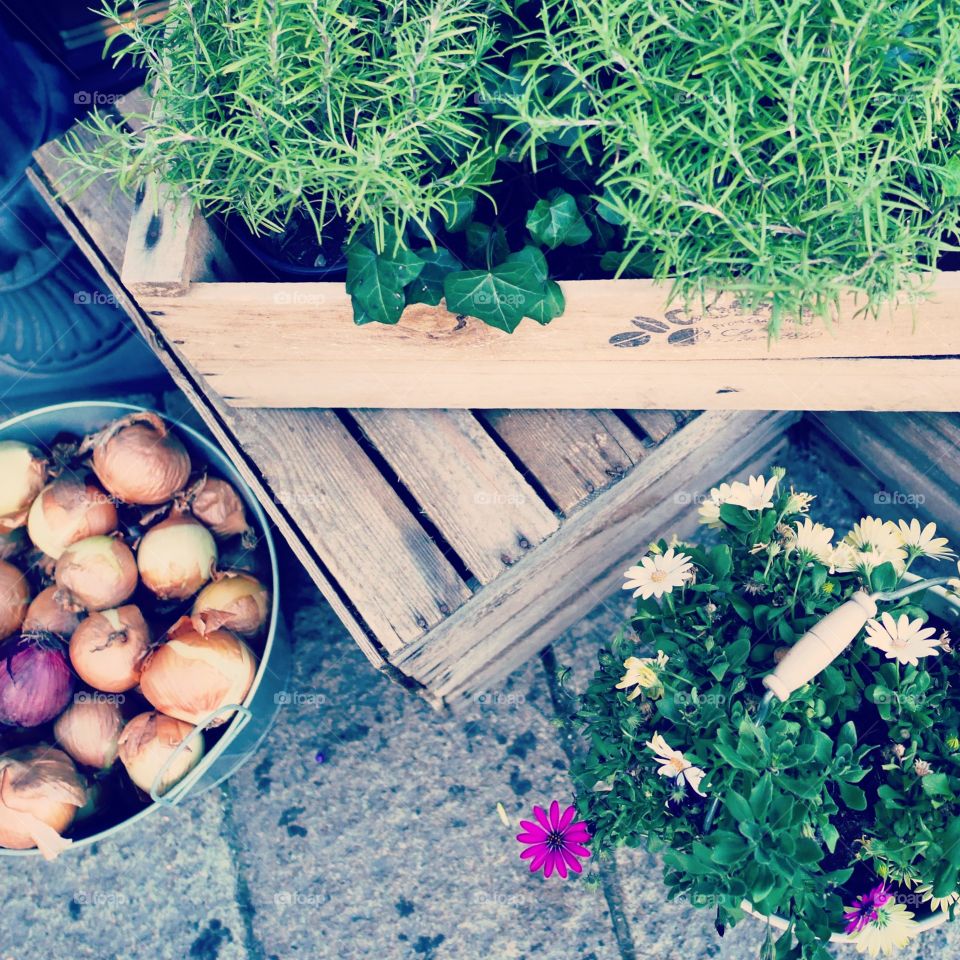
501 297
428 286
557 221
458 210
376 281
550 306
481 239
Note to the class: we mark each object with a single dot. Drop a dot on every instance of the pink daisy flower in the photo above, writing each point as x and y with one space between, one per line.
865 908
554 842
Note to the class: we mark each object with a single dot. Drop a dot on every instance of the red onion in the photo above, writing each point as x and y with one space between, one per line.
68 510
14 599
98 572
23 472
51 613
139 460
176 557
35 682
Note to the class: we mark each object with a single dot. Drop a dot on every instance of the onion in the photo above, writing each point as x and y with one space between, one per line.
138 460
98 572
12 542
236 601
176 557
35 682
14 599
40 793
89 730
193 674
215 503
51 613
68 510
108 648
146 744
23 472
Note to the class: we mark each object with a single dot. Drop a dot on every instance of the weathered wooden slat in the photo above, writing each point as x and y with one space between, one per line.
571 454
95 221
581 565
478 501
656 424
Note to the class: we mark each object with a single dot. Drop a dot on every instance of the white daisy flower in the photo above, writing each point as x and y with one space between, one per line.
922 541
675 765
658 575
798 502
869 544
889 933
938 903
641 674
813 541
904 639
755 494
709 510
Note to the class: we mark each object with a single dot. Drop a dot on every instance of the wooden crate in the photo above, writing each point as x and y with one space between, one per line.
453 544
620 344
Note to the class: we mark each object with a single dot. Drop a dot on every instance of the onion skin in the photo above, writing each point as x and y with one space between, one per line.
40 793
89 730
108 649
35 683
23 472
14 599
176 557
193 674
235 601
98 573
216 504
12 542
146 744
50 613
68 510
139 460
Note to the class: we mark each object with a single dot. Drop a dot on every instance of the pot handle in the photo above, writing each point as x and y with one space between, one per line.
179 791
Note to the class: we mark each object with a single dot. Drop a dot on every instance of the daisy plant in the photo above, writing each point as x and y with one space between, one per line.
832 810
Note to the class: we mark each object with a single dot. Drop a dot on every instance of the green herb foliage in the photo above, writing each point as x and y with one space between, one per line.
824 797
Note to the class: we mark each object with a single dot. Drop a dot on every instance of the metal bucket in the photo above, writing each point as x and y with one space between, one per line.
254 717
946 607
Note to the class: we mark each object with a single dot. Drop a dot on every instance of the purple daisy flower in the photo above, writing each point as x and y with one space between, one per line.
555 841
865 908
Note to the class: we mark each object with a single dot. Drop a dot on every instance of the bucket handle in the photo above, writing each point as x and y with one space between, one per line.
180 790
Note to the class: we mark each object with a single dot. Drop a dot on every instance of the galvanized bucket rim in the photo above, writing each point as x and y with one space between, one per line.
224 464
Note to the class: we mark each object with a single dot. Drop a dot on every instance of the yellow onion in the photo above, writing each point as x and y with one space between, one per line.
68 510
215 503
23 472
97 573
236 601
146 744
12 542
49 612
89 730
40 793
139 460
176 557
108 649
193 674
14 599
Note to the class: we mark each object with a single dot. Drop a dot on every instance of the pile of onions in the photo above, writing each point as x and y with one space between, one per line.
40 793
23 472
236 601
147 743
97 573
176 557
35 682
14 599
193 674
69 509
215 503
51 613
89 730
139 460
108 649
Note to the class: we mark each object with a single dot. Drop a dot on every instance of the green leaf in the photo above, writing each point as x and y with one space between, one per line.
501 297
486 246
830 836
738 517
936 785
852 796
808 851
557 221
428 286
884 577
376 281
550 306
737 805
727 847
761 795
458 210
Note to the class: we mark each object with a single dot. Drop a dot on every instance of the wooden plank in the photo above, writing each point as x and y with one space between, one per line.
571 454
581 565
656 424
479 502
85 221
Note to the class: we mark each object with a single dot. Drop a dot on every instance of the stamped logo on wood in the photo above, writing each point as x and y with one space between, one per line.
716 322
